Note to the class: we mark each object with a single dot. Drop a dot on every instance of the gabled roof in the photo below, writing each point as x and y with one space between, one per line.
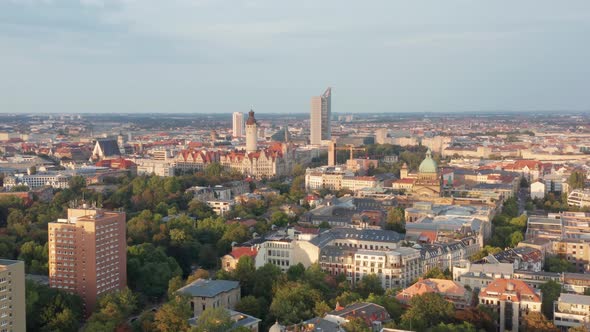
109 147
238 252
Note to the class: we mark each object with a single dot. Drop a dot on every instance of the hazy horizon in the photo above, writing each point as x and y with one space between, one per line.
217 56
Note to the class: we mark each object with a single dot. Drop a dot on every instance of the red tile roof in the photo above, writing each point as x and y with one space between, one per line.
238 252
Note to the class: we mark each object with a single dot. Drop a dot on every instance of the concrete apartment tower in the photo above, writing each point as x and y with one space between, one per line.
12 296
238 124
321 114
88 253
251 133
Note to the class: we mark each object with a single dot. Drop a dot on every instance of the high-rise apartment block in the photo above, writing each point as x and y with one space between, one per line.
321 114
238 124
88 253
12 296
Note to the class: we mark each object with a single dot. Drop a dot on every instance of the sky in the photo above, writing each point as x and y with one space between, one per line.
220 56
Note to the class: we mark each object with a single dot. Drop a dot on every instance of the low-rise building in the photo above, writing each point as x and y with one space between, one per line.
206 293
571 310
523 258
229 261
577 283
220 206
372 314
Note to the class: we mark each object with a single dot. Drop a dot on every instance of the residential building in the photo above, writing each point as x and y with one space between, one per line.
55 180
523 258
571 310
206 293
372 314
238 124
549 227
576 251
220 206
320 117
480 275
12 296
578 283
450 290
88 253
396 268
229 261
579 198
512 299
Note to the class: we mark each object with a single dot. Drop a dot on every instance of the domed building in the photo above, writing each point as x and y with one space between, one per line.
428 181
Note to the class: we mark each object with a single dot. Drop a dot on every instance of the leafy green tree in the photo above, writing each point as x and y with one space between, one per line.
347 298
174 284
576 180
214 320
35 257
516 238
49 309
356 324
436 273
463 327
198 274
245 273
279 218
321 308
295 272
173 316
426 311
294 302
149 269
112 310
200 210
558 264
485 251
535 321
389 302
266 278
396 220
551 291
250 305
77 183
369 284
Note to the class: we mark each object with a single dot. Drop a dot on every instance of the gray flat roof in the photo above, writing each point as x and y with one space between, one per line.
208 288
574 298
9 262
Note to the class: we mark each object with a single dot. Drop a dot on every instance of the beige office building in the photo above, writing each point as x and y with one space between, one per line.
321 114
12 296
88 253
238 124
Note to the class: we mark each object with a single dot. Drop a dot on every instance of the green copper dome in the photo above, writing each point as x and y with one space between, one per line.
428 165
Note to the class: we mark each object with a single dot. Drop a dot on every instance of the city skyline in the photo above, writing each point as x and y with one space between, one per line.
126 57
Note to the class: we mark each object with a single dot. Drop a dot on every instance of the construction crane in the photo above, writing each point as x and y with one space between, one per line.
332 148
